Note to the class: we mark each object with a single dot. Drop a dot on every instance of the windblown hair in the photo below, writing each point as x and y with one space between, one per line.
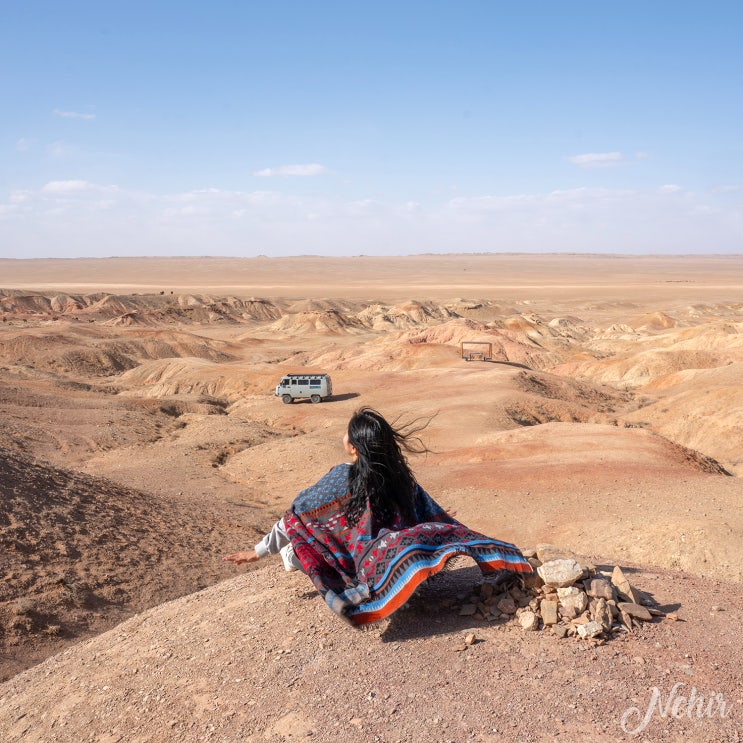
381 474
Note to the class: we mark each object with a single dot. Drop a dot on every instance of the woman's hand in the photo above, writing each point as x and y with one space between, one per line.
242 557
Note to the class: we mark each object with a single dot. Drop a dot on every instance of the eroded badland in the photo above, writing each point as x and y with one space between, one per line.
141 441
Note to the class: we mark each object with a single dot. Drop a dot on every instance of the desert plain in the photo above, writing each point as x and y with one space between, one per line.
141 441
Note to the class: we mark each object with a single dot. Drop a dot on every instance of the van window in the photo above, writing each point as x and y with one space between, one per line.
304 381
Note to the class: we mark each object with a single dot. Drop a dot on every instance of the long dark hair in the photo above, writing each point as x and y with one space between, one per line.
381 474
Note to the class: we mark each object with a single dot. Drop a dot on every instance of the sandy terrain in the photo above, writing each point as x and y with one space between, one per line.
141 441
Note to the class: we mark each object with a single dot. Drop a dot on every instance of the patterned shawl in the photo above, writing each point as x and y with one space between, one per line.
365 573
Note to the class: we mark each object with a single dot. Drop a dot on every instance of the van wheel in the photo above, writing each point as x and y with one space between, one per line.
315 398
286 398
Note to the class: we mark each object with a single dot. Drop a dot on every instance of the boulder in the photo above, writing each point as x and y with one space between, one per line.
560 573
549 552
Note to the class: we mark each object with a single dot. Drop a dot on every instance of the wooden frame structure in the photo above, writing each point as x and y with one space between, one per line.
476 355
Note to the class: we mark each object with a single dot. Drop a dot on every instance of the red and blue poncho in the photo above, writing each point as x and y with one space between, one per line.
365 573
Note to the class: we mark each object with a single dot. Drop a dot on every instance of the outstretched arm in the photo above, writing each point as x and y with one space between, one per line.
242 557
269 545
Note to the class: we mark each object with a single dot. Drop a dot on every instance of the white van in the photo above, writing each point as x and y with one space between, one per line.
315 386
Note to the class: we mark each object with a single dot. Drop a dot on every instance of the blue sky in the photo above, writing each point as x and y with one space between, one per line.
254 128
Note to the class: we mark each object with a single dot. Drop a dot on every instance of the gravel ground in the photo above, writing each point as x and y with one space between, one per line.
260 658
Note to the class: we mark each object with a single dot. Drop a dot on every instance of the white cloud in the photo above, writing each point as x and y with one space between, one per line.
23 145
597 159
670 188
77 218
74 114
6 209
287 170
63 187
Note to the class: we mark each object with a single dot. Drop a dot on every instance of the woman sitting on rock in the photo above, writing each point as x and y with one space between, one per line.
367 534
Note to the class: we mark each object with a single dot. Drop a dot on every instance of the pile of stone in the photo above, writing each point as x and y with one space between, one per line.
566 595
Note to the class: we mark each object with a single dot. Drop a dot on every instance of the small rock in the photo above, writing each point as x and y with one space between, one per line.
599 588
600 613
470 639
549 552
590 629
506 605
672 616
635 610
467 610
626 619
548 610
619 579
560 573
572 599
567 591
568 612
486 591
528 552
529 621
533 581
559 630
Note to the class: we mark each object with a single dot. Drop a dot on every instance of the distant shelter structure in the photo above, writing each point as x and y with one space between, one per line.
482 352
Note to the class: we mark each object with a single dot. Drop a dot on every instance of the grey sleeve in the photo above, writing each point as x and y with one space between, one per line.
273 541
